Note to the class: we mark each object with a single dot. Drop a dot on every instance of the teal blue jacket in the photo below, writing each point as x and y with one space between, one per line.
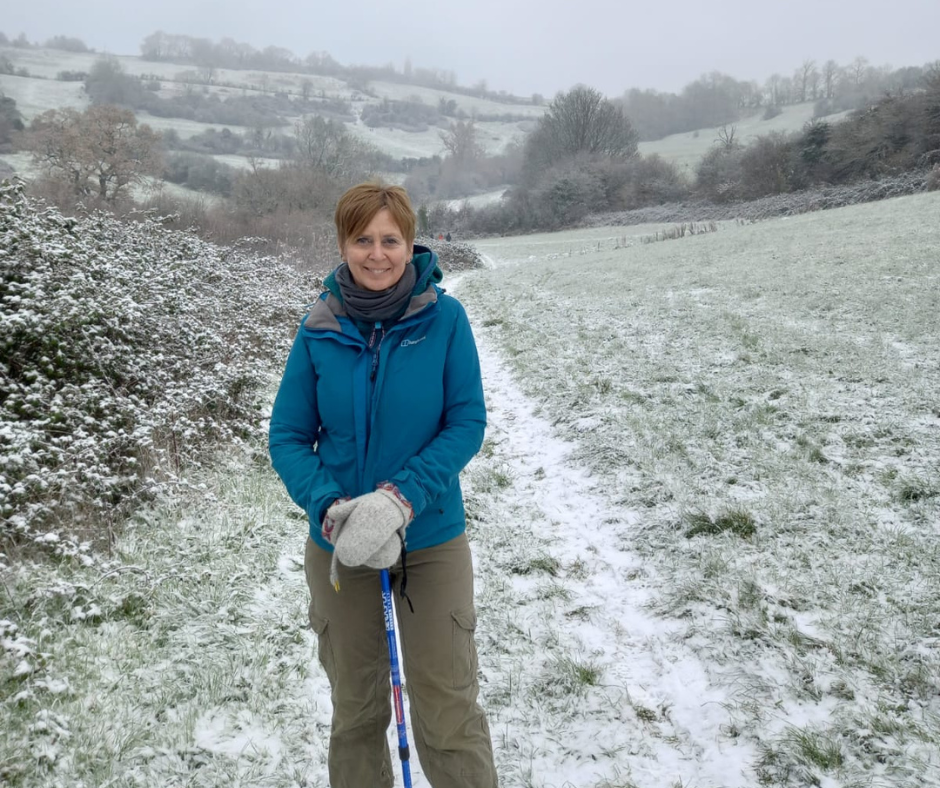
407 408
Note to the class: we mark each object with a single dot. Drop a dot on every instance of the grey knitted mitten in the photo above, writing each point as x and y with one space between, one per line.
373 532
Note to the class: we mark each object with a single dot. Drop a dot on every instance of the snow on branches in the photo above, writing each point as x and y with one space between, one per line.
127 352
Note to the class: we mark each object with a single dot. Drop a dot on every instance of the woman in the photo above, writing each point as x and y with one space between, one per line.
379 409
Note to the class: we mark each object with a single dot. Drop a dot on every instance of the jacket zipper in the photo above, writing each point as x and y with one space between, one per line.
375 349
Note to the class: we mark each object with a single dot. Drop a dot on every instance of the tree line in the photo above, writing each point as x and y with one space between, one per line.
582 158
716 99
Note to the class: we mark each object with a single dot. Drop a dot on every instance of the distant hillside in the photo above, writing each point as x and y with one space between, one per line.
41 91
497 123
687 149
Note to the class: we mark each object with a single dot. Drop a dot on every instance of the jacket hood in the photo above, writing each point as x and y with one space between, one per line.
427 272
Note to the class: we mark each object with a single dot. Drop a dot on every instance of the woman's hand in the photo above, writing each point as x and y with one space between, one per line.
374 530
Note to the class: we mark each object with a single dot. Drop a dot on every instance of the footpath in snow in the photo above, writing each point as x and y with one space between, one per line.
583 687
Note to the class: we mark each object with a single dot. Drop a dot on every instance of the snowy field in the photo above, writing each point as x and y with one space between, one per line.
492 137
704 523
35 96
478 200
688 148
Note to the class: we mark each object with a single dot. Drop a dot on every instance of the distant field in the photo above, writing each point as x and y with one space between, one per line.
687 149
21 164
35 96
479 200
186 128
469 104
492 136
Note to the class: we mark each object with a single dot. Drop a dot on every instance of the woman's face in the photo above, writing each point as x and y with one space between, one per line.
378 255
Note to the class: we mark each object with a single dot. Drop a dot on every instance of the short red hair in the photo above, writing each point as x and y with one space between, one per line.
359 205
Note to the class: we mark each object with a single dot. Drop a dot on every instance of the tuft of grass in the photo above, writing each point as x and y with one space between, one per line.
488 449
815 454
797 757
816 748
912 489
736 521
575 675
553 591
539 563
645 714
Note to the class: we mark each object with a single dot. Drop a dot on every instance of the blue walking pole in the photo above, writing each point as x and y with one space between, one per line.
396 678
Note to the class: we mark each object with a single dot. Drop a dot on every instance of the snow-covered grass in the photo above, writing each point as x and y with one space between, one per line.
188 128
181 658
493 137
472 105
704 522
35 96
478 200
576 246
762 405
688 148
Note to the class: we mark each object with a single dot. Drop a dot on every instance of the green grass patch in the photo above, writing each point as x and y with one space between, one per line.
738 522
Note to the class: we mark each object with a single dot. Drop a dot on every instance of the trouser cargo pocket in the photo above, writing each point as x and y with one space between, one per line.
465 651
321 626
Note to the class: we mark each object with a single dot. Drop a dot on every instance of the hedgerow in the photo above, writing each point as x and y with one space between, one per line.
127 352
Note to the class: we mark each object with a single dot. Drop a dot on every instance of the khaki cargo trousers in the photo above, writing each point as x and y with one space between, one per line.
448 727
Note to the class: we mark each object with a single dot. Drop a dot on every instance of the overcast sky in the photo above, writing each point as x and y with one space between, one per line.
522 46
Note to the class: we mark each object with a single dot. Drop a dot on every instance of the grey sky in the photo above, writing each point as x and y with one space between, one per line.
522 46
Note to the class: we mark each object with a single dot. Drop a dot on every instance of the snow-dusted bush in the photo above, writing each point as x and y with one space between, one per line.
933 179
789 204
453 255
126 351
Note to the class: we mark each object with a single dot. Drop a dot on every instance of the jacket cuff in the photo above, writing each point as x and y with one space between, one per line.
393 489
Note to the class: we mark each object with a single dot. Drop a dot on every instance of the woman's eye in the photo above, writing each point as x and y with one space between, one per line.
363 241
391 242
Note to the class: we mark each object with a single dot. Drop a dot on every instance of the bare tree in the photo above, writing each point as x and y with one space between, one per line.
804 77
773 89
461 143
726 136
325 145
830 75
205 56
99 151
814 80
858 69
583 121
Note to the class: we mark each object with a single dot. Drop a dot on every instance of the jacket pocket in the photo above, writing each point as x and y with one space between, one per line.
465 650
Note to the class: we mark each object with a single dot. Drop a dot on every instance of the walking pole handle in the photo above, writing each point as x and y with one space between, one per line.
403 752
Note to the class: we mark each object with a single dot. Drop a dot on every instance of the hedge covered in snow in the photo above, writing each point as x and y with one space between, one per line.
127 352
789 204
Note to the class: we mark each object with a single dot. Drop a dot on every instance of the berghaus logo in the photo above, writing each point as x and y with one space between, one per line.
410 342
